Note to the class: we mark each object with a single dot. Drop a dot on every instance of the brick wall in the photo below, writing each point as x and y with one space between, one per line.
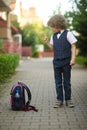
48 53
11 47
26 51
14 47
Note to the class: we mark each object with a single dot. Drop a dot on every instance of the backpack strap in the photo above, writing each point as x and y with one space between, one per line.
27 106
30 107
27 90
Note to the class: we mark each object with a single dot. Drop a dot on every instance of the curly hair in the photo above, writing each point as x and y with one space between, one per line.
57 21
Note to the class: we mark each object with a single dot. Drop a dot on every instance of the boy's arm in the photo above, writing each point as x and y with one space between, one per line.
73 54
48 43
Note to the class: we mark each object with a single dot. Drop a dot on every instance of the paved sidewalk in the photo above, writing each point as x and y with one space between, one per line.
38 75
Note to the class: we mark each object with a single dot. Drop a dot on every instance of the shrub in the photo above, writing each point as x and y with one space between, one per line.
81 60
8 64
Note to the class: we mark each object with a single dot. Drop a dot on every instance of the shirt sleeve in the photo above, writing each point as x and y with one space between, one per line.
51 40
71 38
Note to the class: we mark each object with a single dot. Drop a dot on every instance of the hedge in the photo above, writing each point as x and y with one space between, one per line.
8 64
81 60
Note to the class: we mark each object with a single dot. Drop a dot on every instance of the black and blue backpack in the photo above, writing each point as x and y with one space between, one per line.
20 92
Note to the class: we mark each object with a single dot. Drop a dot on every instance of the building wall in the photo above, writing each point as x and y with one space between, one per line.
5 33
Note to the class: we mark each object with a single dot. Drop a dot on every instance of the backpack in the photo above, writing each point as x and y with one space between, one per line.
18 97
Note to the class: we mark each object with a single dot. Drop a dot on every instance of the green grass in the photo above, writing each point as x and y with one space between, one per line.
81 60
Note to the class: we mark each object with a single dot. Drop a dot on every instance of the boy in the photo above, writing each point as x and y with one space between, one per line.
63 42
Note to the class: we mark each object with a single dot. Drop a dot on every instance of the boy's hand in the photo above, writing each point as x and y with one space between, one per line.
72 62
46 39
47 42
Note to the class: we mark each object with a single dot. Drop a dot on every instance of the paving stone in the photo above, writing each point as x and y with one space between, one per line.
38 75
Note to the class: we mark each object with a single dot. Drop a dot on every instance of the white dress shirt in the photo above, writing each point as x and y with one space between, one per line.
70 37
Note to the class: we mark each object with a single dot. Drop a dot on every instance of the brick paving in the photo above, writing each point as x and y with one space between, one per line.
38 75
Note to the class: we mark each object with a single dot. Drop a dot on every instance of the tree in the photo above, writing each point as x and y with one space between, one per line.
78 22
33 35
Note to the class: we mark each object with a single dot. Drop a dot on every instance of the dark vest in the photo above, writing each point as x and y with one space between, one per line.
62 48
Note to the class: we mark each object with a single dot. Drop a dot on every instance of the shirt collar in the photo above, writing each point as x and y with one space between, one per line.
61 31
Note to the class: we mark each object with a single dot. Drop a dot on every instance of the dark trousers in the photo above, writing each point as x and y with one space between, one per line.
62 76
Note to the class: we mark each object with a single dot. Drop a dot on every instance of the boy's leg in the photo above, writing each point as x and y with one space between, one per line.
67 85
58 82
67 81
